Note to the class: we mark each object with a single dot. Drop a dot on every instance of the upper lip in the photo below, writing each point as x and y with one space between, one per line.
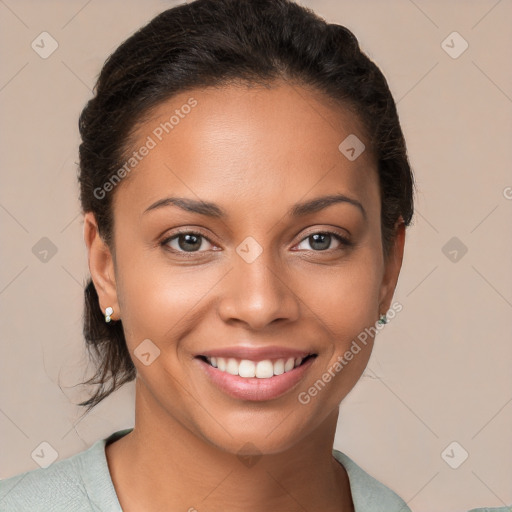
256 353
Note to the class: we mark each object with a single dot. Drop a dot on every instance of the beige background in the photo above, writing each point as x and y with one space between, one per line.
441 370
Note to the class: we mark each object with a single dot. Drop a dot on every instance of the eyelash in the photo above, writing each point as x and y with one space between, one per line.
345 242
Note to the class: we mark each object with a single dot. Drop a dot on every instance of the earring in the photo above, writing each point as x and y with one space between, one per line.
108 313
382 320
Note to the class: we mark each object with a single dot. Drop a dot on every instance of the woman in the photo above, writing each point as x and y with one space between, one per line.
245 189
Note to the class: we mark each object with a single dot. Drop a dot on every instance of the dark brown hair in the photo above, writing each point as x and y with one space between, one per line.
213 43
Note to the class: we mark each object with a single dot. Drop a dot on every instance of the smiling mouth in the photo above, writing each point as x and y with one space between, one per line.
263 369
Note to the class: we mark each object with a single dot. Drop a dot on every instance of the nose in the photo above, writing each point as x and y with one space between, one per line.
258 294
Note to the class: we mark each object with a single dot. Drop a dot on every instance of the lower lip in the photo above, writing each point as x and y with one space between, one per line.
253 388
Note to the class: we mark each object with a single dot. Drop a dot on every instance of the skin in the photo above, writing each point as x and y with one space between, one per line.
183 450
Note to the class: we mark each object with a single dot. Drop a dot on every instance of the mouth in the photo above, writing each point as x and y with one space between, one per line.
256 379
259 369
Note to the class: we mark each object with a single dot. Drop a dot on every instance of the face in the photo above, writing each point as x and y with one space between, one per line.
224 249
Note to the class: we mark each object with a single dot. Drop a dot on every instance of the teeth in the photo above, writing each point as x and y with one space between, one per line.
290 363
279 367
232 366
247 368
260 369
264 369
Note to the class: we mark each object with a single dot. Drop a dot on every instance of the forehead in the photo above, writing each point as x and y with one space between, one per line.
249 142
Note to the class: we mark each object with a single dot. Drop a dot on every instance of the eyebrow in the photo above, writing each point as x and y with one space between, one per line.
212 210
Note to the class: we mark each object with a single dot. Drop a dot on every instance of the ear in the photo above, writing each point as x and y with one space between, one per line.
101 266
393 264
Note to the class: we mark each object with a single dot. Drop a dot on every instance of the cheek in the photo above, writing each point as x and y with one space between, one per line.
160 300
156 301
347 298
346 302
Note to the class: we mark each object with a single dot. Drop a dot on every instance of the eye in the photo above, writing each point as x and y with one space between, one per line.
186 241
321 241
192 242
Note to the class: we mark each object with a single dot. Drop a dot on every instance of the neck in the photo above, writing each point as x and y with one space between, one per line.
162 464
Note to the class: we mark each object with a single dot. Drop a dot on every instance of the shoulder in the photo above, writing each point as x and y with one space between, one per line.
486 509
368 494
58 487
78 483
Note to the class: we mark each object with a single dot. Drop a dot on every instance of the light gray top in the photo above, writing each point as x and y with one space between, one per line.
82 483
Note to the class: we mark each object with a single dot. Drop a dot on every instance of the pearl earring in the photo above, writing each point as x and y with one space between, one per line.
108 313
